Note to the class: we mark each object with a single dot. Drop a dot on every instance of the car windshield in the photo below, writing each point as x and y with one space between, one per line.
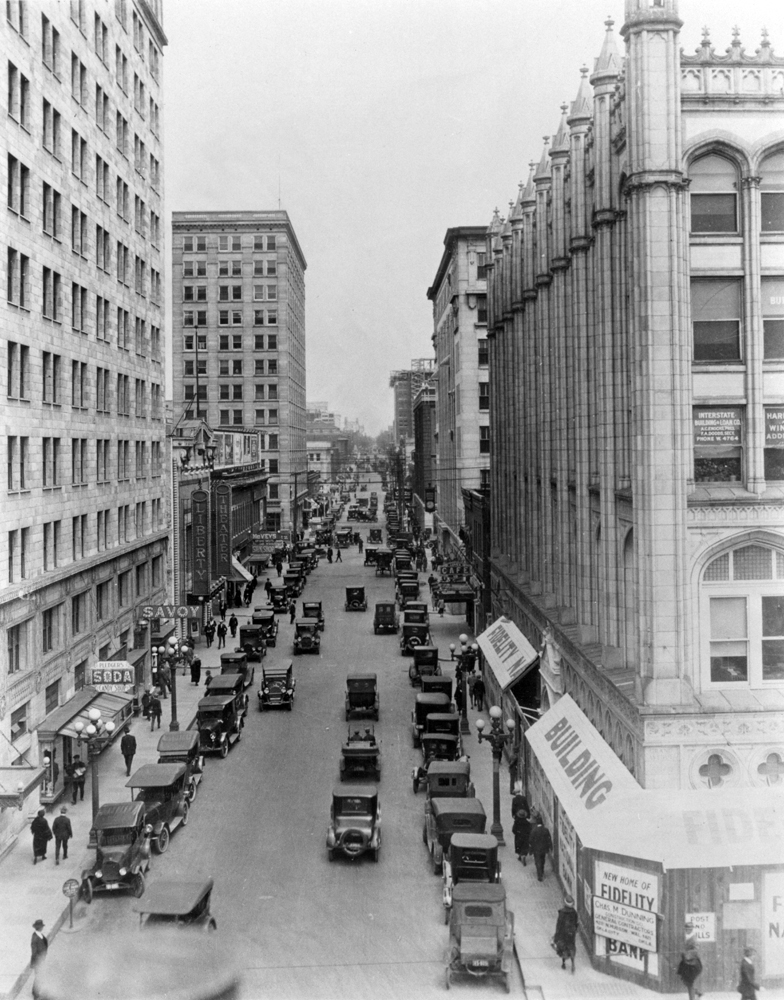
153 794
207 717
475 910
350 806
116 837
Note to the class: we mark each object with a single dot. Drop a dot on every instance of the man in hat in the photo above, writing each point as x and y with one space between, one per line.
689 970
128 750
747 982
42 834
38 944
540 845
78 770
61 828
566 932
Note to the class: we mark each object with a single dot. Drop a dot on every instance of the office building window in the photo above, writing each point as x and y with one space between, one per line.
773 317
716 316
17 647
774 443
484 395
20 721
772 193
18 279
484 440
50 638
713 195
102 601
718 443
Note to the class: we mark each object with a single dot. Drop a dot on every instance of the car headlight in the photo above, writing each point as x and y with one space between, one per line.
123 871
289 692
99 874
266 690
212 737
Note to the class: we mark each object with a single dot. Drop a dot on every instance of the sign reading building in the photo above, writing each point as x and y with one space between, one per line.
718 425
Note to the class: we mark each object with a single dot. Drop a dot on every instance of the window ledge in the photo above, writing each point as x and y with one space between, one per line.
723 366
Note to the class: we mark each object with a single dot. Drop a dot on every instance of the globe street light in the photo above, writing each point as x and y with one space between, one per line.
173 652
465 665
497 739
92 734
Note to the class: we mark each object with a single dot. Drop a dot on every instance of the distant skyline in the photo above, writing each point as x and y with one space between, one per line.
378 125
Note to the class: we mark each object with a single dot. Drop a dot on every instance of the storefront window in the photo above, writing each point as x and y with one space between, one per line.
718 444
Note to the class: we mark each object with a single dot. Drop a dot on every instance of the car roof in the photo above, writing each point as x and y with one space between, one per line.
216 701
226 681
422 649
263 613
433 698
311 604
354 792
278 668
361 677
439 736
386 604
440 716
231 657
307 621
155 776
173 897
477 892
354 589
453 806
485 841
113 815
449 767
179 741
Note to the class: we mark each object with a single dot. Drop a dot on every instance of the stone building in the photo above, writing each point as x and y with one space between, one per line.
423 480
238 339
84 536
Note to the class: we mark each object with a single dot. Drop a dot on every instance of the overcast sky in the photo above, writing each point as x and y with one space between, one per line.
377 125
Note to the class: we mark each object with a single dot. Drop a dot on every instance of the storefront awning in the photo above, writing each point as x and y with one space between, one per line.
240 571
509 654
61 721
456 593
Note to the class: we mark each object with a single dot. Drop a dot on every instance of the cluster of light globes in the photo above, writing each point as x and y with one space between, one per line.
94 726
172 650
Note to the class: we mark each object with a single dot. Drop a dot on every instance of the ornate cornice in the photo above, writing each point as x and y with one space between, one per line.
734 513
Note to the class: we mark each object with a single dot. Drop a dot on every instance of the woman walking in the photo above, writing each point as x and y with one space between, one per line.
521 828
566 932
689 969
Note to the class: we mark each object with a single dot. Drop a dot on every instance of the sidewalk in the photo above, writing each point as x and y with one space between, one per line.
32 891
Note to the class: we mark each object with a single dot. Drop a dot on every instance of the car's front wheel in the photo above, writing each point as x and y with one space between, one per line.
186 808
162 840
87 890
137 886
224 750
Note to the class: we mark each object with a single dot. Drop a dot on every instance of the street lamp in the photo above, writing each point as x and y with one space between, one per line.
497 739
173 651
95 729
465 665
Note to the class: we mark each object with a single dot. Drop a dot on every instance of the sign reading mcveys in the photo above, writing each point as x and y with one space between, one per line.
200 542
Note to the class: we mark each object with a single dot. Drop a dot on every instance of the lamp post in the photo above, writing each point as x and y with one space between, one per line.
465 664
173 651
90 734
497 739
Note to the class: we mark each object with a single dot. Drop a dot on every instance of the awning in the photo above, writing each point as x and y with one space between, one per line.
507 651
61 721
456 593
239 568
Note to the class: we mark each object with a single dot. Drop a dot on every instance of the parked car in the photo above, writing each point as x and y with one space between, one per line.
448 779
182 747
220 723
307 637
435 746
279 597
385 618
445 817
313 609
294 583
425 705
277 686
384 562
371 551
237 663
361 695
481 933
344 537
122 854
183 904
438 683
231 685
163 790
299 567
472 857
360 754
407 592
354 822
418 607
374 536
425 661
415 617
264 618
355 599
411 638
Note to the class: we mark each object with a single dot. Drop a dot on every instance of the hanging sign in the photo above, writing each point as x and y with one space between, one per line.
200 541
223 529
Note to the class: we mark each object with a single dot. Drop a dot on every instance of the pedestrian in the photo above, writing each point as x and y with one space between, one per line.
61 828
146 703
128 749
38 944
78 772
441 607
267 587
209 632
292 612
156 709
278 569
195 670
329 554
521 828
689 970
747 984
42 834
222 630
164 678
540 845
432 580
424 562
566 932
222 607
459 696
360 544
248 595
519 801
207 679
338 555
479 693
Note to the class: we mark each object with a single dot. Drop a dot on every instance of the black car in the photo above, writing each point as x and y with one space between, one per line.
277 686
314 609
355 599
264 618
307 636
220 723
361 695
122 850
164 791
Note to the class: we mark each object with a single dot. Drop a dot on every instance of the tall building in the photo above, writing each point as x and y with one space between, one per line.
423 480
405 384
459 297
238 339
84 532
636 328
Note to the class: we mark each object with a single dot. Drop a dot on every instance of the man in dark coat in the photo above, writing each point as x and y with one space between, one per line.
209 632
128 750
146 698
268 586
222 630
195 670
478 693
566 932
338 555
156 710
292 612
747 984
61 828
42 834
521 828
278 568
541 844
233 623
38 944
519 801
78 771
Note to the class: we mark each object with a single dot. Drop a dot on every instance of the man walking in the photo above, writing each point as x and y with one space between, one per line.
478 692
209 632
360 544
233 623
195 670
61 828
38 944
338 555
268 586
566 932
540 844
42 834
747 983
128 749
222 630
164 678
78 772
155 712
292 612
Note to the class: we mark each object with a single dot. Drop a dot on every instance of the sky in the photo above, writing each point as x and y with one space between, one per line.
378 125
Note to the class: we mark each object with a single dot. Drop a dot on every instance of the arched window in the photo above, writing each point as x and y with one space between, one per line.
743 605
772 193
714 195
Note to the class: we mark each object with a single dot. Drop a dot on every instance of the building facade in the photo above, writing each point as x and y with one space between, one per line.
423 481
238 339
405 384
84 538
459 297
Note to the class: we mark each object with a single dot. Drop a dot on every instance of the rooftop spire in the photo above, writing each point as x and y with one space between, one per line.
609 61
582 105
543 170
561 137
529 191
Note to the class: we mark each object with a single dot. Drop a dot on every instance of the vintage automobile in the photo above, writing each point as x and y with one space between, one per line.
370 555
481 933
385 617
163 790
122 853
443 723
279 597
472 857
344 537
403 560
298 566
310 558
313 609
181 904
252 643
264 618
354 822
294 583
237 663
324 536
352 514
418 608
415 617
384 562
448 779
220 723
407 591
435 746
355 599
374 536
411 638
361 695
307 637
445 817
231 685
425 705
425 662
277 686
438 683
182 747
360 754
